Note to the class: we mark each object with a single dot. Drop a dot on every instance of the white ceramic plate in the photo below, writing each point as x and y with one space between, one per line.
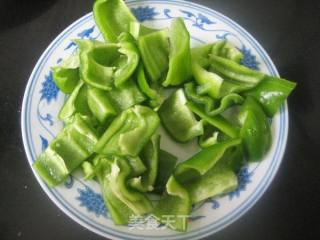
82 200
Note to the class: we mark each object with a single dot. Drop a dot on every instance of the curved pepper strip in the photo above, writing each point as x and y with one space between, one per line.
167 163
136 29
66 75
208 103
255 131
219 179
226 50
76 103
217 121
235 71
271 93
176 203
112 18
100 104
154 49
177 118
136 201
199 164
104 65
119 211
179 56
67 151
129 132
209 137
155 98
150 158
125 96
137 166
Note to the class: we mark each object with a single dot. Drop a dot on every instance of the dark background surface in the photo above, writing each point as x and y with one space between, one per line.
290 32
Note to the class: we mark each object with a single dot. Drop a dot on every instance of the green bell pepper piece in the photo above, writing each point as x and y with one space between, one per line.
208 104
119 211
66 75
136 201
76 103
178 120
199 164
271 93
176 204
100 104
226 50
154 49
150 158
220 179
217 121
104 65
209 137
152 94
112 18
255 131
167 163
136 29
137 166
66 152
179 56
125 96
129 132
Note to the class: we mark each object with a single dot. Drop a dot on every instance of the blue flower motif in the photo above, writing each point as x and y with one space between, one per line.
86 33
49 89
70 45
249 60
215 203
244 178
44 143
144 13
92 201
195 218
203 19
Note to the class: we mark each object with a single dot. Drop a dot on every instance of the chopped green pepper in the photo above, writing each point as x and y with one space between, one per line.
178 120
66 75
150 158
102 65
66 152
180 56
271 93
176 203
100 105
217 121
255 131
199 164
154 49
167 163
112 17
129 132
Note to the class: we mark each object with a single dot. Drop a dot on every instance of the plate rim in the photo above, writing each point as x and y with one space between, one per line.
208 231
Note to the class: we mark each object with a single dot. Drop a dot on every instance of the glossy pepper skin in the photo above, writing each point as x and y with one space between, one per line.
177 118
271 93
129 132
179 54
199 164
103 65
154 50
66 75
112 17
175 202
217 121
119 211
255 131
66 152
150 158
